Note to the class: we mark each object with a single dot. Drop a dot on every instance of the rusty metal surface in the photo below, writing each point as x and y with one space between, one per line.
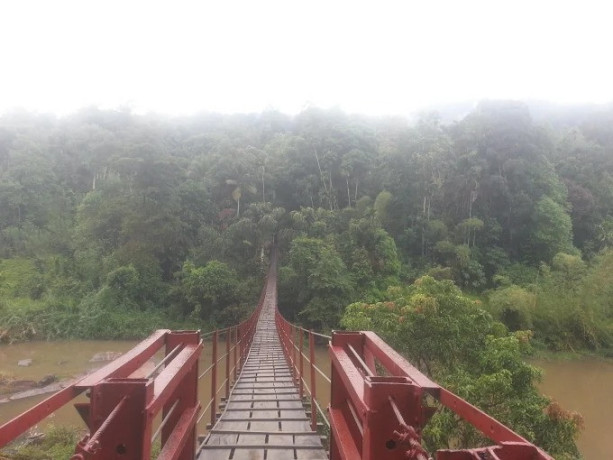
128 362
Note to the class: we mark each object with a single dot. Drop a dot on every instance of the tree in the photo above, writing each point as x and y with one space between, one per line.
208 290
452 339
321 281
552 229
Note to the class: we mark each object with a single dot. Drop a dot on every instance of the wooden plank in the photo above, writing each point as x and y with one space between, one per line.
311 454
242 425
223 439
214 454
266 426
294 425
264 417
291 404
241 454
252 439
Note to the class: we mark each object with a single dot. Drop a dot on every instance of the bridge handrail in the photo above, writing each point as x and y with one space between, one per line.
293 349
380 403
238 340
115 394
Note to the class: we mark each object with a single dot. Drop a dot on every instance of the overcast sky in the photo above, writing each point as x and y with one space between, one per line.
375 57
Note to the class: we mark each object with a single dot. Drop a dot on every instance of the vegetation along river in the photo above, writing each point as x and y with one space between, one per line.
580 385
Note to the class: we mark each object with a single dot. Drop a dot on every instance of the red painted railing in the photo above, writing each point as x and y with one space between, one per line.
378 402
122 407
297 342
378 408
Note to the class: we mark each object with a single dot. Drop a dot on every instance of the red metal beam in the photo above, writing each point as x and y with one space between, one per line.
342 440
177 441
390 411
395 363
171 376
18 425
119 423
128 362
351 377
488 426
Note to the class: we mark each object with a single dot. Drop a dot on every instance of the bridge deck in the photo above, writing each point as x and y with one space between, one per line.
264 417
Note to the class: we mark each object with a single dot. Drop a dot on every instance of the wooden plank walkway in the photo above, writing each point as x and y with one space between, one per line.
264 417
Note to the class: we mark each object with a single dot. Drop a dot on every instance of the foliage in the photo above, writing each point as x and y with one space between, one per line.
87 321
106 210
320 281
57 443
514 306
552 230
564 307
207 289
452 339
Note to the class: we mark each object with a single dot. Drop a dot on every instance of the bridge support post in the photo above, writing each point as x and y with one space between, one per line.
313 381
235 367
117 421
214 380
182 404
366 409
301 370
292 342
228 337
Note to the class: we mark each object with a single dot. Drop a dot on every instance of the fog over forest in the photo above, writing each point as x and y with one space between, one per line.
498 222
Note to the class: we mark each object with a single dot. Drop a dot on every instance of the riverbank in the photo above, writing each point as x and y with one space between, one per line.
36 322
543 354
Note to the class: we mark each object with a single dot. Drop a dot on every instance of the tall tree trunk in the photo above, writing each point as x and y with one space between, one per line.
263 185
470 206
330 192
348 192
323 180
423 241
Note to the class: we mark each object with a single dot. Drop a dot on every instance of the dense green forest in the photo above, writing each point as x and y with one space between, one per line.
495 227
108 215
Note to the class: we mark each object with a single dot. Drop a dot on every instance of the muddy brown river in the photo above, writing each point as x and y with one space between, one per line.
579 385
584 386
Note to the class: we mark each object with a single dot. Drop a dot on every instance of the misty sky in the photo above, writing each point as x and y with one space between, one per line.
376 57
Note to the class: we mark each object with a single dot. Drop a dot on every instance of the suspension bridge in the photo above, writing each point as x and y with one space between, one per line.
263 401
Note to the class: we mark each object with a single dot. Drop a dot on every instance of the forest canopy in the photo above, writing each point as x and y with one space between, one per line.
115 213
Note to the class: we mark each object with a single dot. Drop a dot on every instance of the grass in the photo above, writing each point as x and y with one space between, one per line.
56 443
545 354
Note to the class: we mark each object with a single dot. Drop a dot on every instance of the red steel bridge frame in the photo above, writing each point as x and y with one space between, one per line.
379 402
